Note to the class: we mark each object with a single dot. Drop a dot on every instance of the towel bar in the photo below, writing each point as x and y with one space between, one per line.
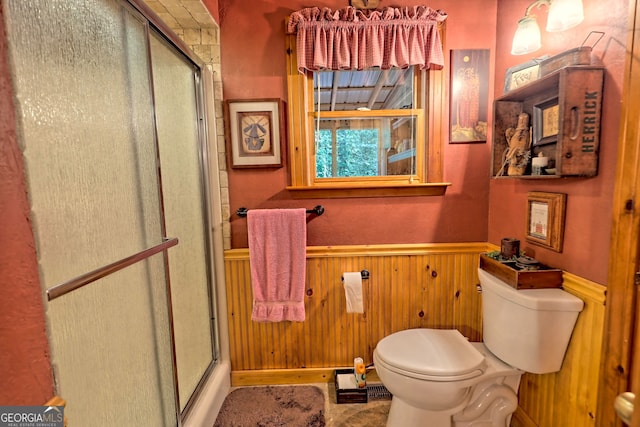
318 210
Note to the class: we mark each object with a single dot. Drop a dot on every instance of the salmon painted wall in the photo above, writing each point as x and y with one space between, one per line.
589 213
25 372
253 66
213 6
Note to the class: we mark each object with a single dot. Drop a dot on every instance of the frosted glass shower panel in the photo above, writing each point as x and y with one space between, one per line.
116 369
82 85
82 82
174 82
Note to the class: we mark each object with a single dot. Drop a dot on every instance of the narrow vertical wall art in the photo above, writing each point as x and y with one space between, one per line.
469 96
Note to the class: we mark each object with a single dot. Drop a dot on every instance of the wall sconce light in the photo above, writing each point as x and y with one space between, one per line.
563 14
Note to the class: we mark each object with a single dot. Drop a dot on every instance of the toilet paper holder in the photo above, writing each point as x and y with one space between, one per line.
363 273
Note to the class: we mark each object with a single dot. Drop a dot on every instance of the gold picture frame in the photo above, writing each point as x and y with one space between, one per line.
255 132
546 122
545 219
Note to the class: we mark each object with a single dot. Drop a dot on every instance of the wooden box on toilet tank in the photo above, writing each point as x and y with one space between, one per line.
519 278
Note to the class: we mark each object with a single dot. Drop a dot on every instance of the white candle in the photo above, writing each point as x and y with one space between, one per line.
539 163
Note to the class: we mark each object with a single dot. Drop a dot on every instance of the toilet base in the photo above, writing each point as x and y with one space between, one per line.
401 414
489 400
493 407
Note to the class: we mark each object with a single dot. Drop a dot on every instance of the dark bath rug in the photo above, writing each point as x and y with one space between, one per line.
273 406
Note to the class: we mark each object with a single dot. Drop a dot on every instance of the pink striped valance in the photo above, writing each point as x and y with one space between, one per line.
353 39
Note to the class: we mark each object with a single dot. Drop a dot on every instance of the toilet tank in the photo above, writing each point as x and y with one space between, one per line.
527 329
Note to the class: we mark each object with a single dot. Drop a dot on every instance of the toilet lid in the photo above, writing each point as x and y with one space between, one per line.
431 352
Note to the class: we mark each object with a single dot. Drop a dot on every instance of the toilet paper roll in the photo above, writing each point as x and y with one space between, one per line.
353 291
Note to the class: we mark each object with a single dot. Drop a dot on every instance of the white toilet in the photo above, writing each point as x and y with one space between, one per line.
439 379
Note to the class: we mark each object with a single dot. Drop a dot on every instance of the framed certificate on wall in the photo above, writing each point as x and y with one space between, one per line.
545 219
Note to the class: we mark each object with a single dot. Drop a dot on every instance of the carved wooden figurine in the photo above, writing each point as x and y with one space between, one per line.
519 141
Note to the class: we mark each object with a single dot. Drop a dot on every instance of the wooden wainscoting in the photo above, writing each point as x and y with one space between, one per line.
569 397
410 286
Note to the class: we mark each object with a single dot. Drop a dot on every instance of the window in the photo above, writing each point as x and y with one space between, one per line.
352 137
369 132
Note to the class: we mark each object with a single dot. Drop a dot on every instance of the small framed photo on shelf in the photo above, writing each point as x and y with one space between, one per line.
256 132
545 219
546 119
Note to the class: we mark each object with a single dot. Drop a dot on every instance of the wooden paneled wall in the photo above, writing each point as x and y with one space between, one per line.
410 286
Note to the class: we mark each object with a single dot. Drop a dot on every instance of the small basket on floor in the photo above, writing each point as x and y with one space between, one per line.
348 394
372 391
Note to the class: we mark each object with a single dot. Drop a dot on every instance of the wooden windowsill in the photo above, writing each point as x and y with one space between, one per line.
358 190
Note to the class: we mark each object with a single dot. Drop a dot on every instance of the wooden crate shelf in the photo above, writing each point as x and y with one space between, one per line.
569 101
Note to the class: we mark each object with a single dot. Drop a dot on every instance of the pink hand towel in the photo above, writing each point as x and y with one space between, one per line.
277 254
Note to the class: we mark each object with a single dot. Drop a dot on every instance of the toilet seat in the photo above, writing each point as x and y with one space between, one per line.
430 354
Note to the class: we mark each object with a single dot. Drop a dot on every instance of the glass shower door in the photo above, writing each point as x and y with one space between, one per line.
181 162
81 78
114 164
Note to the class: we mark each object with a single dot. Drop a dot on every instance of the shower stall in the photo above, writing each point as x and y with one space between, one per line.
114 121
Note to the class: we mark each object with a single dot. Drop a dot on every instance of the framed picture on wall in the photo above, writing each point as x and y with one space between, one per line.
256 132
545 219
469 96
546 120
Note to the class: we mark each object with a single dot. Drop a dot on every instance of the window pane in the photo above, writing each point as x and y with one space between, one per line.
360 147
371 89
324 154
